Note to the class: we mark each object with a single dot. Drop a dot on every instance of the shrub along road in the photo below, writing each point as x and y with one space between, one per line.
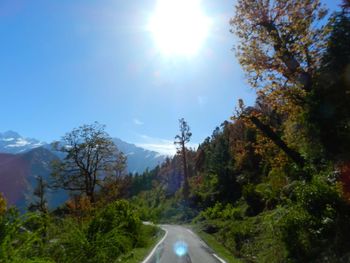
181 245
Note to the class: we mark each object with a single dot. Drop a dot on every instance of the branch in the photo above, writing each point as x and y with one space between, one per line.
268 132
294 67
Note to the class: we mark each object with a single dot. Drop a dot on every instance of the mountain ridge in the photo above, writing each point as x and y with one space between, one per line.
23 159
138 158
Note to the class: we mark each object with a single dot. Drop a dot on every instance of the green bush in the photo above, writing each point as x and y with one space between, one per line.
33 237
116 216
113 232
317 222
220 211
254 199
17 242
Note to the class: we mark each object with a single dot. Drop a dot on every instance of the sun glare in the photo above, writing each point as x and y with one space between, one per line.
179 27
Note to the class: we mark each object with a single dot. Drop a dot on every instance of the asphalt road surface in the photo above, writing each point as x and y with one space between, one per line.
181 245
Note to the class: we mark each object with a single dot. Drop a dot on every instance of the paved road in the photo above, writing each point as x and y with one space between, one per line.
181 246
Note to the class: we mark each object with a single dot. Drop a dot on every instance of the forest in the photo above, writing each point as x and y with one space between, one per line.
271 184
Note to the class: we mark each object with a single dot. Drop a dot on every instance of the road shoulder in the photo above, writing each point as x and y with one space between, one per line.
141 254
220 252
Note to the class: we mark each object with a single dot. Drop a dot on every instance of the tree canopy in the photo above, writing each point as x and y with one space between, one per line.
90 155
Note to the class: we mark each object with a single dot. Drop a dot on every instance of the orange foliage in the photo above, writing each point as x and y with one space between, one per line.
79 205
3 204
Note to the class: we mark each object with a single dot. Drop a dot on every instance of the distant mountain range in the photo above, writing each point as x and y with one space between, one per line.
18 174
12 142
22 159
139 159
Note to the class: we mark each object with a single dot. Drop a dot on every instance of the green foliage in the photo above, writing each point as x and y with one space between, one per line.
90 156
110 234
219 178
220 211
253 239
22 237
150 235
205 193
264 186
253 198
329 115
219 249
116 216
317 221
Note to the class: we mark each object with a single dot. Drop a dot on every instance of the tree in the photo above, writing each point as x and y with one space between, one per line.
119 169
39 202
181 140
252 114
116 183
346 4
3 205
280 41
330 112
215 168
90 155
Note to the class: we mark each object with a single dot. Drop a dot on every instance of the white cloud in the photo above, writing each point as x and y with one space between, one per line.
164 149
162 146
138 122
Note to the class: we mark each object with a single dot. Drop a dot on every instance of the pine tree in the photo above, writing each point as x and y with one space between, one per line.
181 140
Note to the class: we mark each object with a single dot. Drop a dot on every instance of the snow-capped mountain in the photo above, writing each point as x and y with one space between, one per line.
22 159
12 142
139 159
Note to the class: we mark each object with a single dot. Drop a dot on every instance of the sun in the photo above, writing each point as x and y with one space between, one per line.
179 27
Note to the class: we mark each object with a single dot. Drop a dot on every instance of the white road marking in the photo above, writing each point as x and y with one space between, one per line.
216 256
155 248
220 259
190 231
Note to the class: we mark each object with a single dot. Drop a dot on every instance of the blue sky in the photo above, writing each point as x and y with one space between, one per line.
67 63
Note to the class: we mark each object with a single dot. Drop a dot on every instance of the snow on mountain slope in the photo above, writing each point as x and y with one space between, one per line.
138 159
12 142
23 159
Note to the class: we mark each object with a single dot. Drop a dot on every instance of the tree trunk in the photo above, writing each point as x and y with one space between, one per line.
268 132
302 77
185 185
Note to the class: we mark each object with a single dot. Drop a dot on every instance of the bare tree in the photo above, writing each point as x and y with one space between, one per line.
89 155
181 140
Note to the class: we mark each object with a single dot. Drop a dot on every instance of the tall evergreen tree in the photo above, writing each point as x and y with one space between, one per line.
181 140
330 112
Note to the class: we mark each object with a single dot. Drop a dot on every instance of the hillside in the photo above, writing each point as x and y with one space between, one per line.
23 159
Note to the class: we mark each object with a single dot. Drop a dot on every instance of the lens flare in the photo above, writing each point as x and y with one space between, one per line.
180 248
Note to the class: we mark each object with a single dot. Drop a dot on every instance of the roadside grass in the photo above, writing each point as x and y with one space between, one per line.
137 255
217 247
